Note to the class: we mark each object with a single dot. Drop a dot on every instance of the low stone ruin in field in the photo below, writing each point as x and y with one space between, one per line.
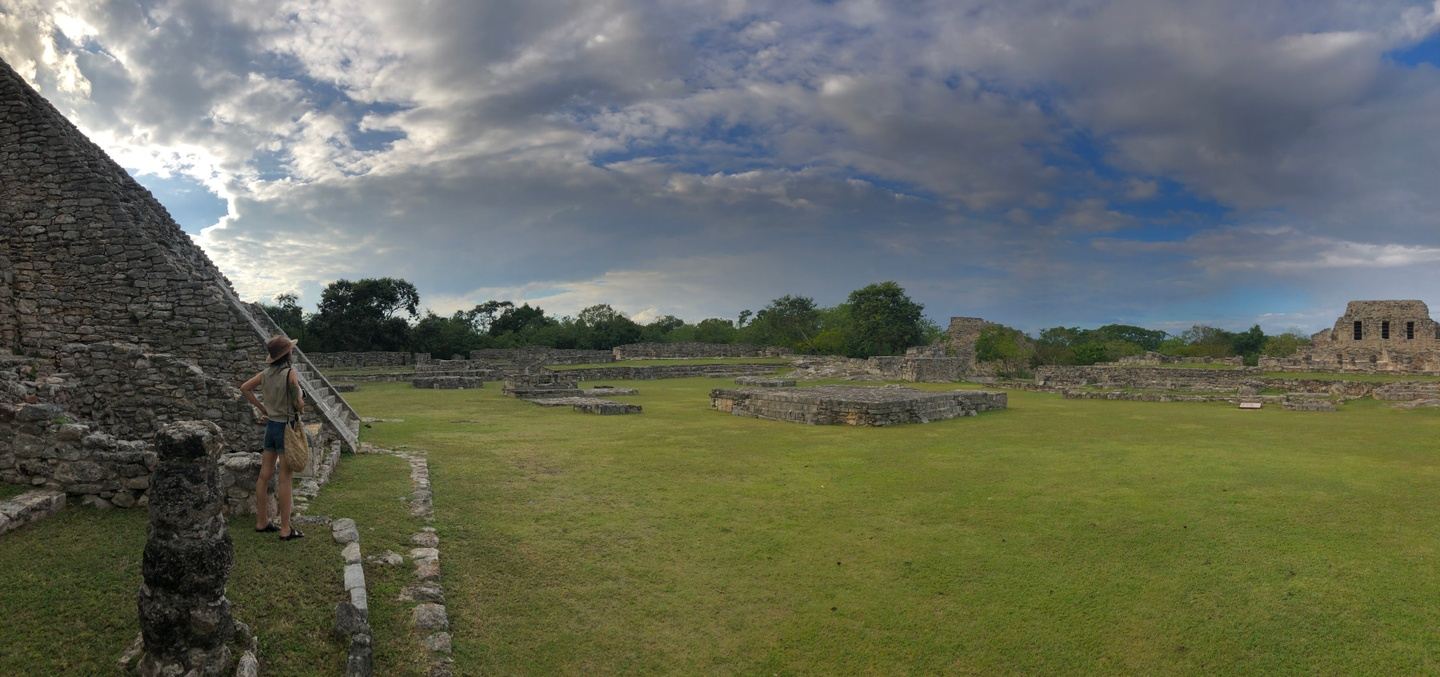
844 405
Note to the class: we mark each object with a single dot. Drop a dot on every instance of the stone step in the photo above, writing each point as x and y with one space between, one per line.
29 507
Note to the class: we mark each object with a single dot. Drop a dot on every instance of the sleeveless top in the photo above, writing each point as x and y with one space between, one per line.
276 393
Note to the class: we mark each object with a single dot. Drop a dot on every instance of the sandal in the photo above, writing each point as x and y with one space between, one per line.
294 534
268 528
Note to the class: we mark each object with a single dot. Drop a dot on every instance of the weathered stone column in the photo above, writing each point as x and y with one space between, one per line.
184 616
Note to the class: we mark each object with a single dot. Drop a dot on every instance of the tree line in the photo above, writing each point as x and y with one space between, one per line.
384 314
1075 346
878 319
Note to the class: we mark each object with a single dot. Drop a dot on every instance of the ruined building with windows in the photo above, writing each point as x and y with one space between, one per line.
1372 336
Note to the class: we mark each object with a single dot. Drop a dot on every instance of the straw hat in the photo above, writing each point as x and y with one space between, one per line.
278 347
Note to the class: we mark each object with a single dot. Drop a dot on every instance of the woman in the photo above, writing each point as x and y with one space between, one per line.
283 400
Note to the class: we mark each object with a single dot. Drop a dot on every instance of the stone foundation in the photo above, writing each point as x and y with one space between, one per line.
912 368
29 507
542 384
689 350
540 355
669 371
612 391
589 405
447 382
765 382
842 405
361 360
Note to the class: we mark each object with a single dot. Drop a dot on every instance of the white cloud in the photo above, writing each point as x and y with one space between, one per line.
648 155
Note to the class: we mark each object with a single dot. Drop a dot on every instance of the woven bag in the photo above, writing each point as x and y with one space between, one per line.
297 448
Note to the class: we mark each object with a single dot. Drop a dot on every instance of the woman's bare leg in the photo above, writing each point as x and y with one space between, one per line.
262 490
283 492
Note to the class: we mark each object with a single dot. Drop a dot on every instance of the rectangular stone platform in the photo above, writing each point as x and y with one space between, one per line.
447 382
849 405
589 405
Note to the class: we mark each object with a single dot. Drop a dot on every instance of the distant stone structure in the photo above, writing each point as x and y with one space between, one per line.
691 350
850 405
447 382
541 355
542 384
1154 359
911 368
111 317
1372 336
362 360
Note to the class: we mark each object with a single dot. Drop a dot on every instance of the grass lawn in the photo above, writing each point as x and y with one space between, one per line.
676 362
68 584
11 490
1057 536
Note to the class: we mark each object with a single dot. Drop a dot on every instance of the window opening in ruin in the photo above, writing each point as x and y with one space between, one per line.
1385 330
1409 331
1358 332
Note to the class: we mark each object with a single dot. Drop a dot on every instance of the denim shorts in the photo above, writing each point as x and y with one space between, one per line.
275 436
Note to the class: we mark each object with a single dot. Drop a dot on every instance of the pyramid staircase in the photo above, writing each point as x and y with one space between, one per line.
332 407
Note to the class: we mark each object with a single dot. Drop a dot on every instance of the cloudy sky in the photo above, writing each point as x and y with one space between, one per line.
1034 162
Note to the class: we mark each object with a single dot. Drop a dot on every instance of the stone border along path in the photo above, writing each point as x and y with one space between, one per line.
29 507
352 617
429 616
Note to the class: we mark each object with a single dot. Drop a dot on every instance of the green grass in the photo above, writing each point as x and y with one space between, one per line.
1057 536
11 490
676 362
68 584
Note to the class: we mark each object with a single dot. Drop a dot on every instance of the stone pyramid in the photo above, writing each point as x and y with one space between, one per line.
100 285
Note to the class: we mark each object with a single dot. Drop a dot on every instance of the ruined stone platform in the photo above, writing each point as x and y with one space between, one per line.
765 382
447 382
848 405
612 391
588 405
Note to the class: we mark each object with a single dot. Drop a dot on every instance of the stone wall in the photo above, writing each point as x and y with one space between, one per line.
447 382
361 360
133 394
691 350
540 355
1106 376
848 405
44 447
886 368
670 371
1154 359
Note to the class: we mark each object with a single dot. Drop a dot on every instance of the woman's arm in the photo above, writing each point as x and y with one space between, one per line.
248 390
299 394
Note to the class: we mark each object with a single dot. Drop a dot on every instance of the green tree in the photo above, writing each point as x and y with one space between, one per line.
1144 339
601 327
367 314
663 329
445 337
1009 348
788 321
1286 344
883 320
287 314
518 320
715 330
1248 344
